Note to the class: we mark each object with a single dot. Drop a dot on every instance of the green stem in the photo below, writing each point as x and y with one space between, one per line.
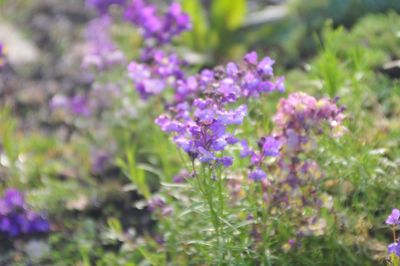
262 217
208 194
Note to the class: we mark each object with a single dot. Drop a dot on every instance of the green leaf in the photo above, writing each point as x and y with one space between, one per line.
228 14
198 35
134 172
152 257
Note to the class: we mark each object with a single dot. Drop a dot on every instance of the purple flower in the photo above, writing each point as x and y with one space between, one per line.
394 217
14 198
79 105
271 146
394 248
246 151
102 5
265 66
226 161
161 71
257 174
157 28
59 102
102 52
251 58
100 161
181 177
200 119
16 218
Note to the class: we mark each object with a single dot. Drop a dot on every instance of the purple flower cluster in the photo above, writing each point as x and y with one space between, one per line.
301 114
158 72
297 119
102 6
201 118
158 205
394 218
268 147
235 81
155 28
77 105
157 69
16 218
102 52
295 180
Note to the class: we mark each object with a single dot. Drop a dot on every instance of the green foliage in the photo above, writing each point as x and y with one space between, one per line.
199 37
214 30
135 173
227 15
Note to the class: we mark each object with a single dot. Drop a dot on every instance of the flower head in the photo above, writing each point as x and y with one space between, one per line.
394 248
16 218
157 28
394 217
257 174
102 6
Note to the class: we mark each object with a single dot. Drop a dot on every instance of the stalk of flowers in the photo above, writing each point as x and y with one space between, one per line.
201 116
156 71
292 184
16 218
299 118
394 248
157 29
203 120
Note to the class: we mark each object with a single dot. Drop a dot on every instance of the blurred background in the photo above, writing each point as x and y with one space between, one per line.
325 47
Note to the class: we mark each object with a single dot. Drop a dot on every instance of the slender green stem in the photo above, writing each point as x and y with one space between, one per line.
206 184
262 217
394 233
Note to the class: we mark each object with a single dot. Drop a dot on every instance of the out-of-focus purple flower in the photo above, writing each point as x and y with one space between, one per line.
14 198
102 96
158 29
59 102
102 52
245 151
270 146
100 161
265 66
181 177
102 6
257 174
159 72
16 218
394 248
302 112
79 105
158 205
226 161
251 58
394 217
